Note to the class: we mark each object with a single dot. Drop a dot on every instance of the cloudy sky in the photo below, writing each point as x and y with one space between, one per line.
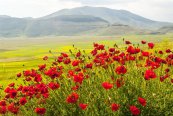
161 10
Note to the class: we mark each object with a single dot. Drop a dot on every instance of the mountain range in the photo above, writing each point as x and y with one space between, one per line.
82 21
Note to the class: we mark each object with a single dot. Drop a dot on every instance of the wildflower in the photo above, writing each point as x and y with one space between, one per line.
45 57
142 101
107 85
72 98
3 109
134 110
78 78
171 80
2 103
119 82
143 42
53 85
19 75
12 108
111 49
131 50
11 84
115 107
23 101
100 47
89 65
128 42
146 54
13 93
149 74
83 106
151 45
168 51
38 78
78 54
75 87
67 61
27 73
40 111
64 54
41 67
160 52
121 70
75 63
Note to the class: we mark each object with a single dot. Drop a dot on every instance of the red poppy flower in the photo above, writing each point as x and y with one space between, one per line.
64 54
143 42
146 54
2 103
38 78
11 84
3 109
53 85
83 106
23 101
60 59
131 50
115 107
27 73
134 110
67 61
119 82
76 87
167 70
40 111
168 51
151 45
111 49
41 67
12 108
162 78
78 79
149 74
142 101
128 42
107 85
89 65
45 57
160 52
78 54
75 63
19 75
94 52
121 70
13 93
171 80
100 47
72 98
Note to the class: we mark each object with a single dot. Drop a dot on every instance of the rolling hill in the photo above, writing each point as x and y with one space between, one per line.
78 21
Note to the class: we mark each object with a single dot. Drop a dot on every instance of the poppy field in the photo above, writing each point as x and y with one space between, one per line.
121 80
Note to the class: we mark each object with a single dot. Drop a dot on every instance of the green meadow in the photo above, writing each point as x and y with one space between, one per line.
18 54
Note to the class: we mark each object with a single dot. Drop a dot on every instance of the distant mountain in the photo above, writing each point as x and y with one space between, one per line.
112 16
79 21
166 29
64 25
12 26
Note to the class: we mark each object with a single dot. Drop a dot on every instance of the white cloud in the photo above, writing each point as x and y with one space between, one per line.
33 8
154 9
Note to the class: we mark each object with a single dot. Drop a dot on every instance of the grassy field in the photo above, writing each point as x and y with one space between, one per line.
121 81
17 54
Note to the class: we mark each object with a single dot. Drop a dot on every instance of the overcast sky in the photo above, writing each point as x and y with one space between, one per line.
161 10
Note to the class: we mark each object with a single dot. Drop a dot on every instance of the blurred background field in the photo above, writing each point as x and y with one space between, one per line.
18 54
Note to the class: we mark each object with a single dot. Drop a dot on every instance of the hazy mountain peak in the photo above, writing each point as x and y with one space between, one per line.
79 20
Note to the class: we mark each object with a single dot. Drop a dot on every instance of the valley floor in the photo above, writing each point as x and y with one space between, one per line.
17 54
